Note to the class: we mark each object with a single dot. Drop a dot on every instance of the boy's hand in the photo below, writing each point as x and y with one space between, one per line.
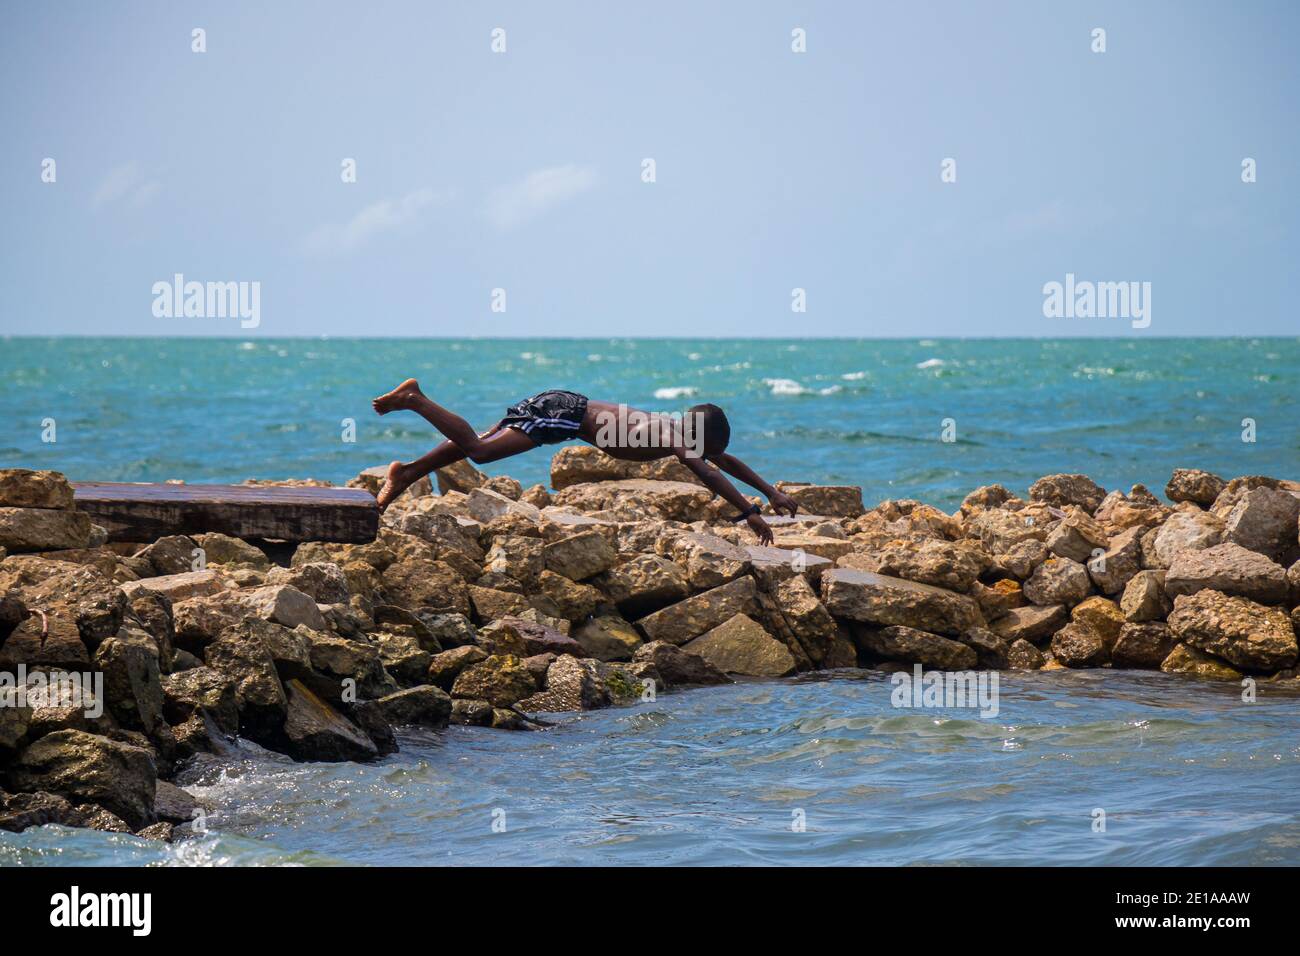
783 503
760 528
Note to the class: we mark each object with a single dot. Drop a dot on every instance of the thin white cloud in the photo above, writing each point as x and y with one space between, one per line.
126 182
516 203
379 217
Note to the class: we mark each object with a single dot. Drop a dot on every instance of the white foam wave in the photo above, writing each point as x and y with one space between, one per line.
785 386
676 391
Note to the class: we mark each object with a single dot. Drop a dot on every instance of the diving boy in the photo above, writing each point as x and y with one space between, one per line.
698 439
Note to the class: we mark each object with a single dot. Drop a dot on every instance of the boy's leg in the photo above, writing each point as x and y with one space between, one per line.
456 429
503 444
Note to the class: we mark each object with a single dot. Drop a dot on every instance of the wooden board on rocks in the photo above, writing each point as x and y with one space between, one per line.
145 512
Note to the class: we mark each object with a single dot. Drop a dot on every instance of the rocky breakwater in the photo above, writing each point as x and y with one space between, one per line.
484 603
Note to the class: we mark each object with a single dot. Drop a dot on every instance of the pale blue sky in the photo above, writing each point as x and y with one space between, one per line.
775 170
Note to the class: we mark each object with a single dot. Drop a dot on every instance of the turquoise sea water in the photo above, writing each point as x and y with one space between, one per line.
1186 773
861 412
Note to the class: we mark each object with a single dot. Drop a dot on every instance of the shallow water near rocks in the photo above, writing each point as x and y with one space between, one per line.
1186 773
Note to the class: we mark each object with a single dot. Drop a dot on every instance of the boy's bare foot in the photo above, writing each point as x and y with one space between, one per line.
395 482
400 397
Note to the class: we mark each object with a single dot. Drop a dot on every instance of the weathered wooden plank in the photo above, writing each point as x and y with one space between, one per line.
143 512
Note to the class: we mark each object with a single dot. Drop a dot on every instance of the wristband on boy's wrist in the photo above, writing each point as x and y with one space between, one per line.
751 510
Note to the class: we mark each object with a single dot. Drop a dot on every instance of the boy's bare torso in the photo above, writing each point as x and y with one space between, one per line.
639 436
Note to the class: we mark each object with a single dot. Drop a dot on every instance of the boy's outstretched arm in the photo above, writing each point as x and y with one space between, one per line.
781 502
717 482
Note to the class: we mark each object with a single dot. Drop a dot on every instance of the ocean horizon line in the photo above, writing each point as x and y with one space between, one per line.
7 336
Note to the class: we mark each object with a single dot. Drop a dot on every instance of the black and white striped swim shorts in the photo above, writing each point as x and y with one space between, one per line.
548 417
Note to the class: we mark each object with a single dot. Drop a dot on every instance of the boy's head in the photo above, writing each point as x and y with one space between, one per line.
713 428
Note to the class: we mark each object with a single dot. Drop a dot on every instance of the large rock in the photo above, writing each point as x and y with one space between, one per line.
909 644
12 613
324 582
1062 490
571 684
425 704
517 556
1023 558
1023 656
945 564
313 730
173 554
1247 634
678 667
492 604
1077 536
23 488
1186 531
740 645
199 620
607 637
445 667
172 804
15 719
84 767
640 497
337 659
500 680
534 636
560 597
1142 645
402 656
1118 563
680 622
1229 568
556 523
132 680
1188 660
1058 581
989 647
224 549
1078 646
75 592
772 565
998 531
581 464
1145 598
834 501
710 561
201 689
487 505
281 604
878 599
1265 520
819 545
418 583
36 529
643 584
1236 489
258 692
448 630
1031 623
806 618
177 587
53 642
1102 616
1192 484
580 556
